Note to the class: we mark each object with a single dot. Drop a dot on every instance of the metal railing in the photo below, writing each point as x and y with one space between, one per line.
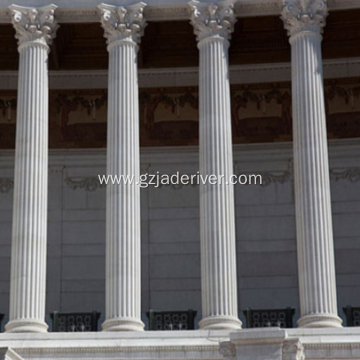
282 318
352 316
171 320
75 322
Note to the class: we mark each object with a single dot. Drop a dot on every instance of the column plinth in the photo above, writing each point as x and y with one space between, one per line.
35 29
304 21
123 29
213 24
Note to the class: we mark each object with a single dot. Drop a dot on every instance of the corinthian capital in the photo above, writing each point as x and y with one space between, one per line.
212 20
304 15
123 23
34 24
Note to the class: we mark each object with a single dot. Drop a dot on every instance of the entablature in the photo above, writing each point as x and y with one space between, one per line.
157 10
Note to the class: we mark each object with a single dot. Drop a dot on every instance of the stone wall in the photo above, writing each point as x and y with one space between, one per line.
265 224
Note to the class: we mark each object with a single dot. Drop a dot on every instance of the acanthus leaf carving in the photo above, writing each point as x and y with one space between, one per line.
212 20
88 183
34 24
123 23
304 15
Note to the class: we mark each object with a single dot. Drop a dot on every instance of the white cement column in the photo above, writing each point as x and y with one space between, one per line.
35 29
304 20
123 29
213 24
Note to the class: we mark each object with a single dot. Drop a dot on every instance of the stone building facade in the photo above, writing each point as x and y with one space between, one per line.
233 87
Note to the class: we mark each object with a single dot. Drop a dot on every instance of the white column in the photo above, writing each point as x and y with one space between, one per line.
123 29
35 29
304 20
213 24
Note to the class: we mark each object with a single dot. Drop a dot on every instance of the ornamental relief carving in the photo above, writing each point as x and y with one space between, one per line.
92 183
87 127
351 174
293 350
304 15
6 185
88 183
260 113
227 349
212 19
34 24
122 23
272 177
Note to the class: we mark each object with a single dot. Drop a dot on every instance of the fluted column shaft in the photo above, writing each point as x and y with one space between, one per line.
315 246
28 256
217 218
123 260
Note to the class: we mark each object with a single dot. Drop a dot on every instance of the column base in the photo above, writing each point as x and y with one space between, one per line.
26 326
220 322
123 324
319 321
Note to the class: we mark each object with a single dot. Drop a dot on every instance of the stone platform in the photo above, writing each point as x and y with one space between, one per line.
246 344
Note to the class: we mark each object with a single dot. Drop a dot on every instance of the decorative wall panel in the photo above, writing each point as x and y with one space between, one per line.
261 113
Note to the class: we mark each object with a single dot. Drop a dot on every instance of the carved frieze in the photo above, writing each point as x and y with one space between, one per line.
88 183
351 174
261 113
92 183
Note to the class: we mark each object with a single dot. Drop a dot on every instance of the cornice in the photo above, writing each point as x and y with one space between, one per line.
177 77
91 14
338 149
159 10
